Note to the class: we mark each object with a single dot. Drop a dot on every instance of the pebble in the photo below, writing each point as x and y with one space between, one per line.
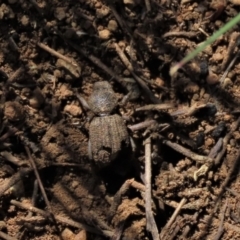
72 109
112 26
104 34
13 111
67 234
25 20
37 98
60 13
102 12
235 2
212 78
159 82
209 142
82 235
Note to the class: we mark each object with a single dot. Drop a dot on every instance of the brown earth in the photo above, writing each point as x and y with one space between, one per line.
51 52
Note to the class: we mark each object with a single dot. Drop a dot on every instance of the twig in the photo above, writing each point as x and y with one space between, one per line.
221 190
34 196
14 179
142 125
174 231
118 196
172 219
7 237
61 219
138 79
96 61
225 142
57 54
180 34
189 111
122 23
188 227
186 152
148 5
176 212
138 186
151 224
221 228
11 131
152 107
216 148
15 75
118 232
9 157
233 192
33 165
13 44
221 80
233 42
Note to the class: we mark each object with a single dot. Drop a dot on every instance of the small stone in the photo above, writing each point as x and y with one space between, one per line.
159 82
104 34
82 235
212 78
102 12
25 20
209 142
112 26
235 2
72 109
67 234
227 82
129 2
217 57
13 111
37 98
227 118
60 13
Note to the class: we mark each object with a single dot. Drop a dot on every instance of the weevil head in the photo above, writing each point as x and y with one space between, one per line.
102 100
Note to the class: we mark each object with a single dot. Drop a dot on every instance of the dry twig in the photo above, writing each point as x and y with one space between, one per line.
14 179
151 224
33 165
6 237
221 227
172 219
96 61
57 54
225 141
60 219
153 107
148 5
118 196
186 152
129 66
180 34
142 125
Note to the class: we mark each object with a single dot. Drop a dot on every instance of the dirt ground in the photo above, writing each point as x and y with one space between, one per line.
180 179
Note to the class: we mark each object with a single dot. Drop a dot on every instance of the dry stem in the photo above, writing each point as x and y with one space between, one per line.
151 224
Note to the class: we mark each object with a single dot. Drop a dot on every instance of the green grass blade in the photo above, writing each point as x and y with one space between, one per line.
210 40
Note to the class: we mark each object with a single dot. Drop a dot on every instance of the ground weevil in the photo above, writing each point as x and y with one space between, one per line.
107 131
